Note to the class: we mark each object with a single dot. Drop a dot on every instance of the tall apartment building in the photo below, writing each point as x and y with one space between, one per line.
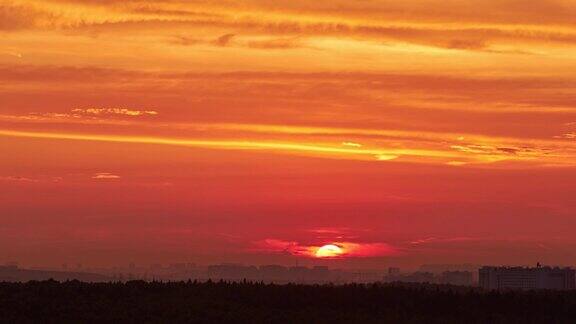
526 278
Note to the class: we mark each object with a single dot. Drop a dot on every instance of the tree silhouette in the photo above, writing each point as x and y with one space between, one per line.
256 302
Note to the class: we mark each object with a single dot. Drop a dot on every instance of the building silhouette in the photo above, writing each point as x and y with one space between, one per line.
457 278
526 278
415 277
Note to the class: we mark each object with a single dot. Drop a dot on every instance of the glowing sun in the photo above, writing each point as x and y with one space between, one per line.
329 251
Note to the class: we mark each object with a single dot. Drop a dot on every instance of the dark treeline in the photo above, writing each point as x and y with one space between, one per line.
222 302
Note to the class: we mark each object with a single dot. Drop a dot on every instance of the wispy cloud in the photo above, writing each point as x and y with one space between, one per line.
567 136
380 21
224 40
114 111
31 179
352 144
433 240
18 179
105 176
276 43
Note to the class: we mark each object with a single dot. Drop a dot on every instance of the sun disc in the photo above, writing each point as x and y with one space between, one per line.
329 251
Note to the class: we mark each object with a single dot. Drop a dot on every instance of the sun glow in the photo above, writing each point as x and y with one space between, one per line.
329 251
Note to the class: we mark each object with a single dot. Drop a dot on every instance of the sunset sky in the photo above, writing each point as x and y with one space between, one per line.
256 131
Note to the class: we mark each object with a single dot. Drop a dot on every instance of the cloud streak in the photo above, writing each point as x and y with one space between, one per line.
349 249
361 154
416 150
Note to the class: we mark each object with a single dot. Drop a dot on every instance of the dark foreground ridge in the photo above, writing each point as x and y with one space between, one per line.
221 302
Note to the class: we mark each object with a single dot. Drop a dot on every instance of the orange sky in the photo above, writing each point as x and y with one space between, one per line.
256 131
